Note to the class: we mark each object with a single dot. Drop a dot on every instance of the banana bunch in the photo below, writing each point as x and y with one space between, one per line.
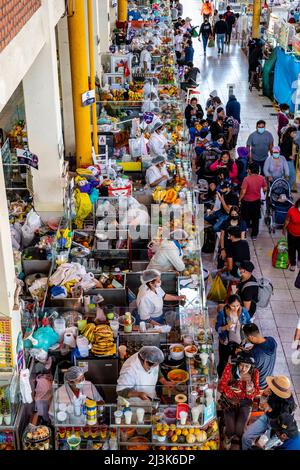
103 344
135 96
88 332
159 194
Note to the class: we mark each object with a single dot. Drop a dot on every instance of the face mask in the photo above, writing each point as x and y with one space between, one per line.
261 130
183 244
299 209
205 129
220 118
239 273
287 112
220 142
276 155
80 385
234 217
158 284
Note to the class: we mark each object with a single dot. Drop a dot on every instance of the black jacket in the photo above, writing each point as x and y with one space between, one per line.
188 115
206 30
221 27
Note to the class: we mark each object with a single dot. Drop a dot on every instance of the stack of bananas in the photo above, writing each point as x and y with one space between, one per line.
88 332
159 194
103 342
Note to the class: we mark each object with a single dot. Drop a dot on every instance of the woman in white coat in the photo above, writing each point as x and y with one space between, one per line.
168 257
74 392
157 174
151 297
158 143
139 376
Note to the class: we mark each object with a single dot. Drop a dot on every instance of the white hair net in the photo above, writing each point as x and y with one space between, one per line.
151 354
157 160
73 374
149 275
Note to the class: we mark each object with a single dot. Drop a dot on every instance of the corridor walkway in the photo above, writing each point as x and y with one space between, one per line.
280 318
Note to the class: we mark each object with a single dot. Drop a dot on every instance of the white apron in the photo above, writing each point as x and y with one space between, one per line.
157 143
134 376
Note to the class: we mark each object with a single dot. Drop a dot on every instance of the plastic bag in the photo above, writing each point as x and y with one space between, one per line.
217 292
46 337
211 42
33 220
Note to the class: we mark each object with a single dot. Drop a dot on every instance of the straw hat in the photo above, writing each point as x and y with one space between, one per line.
280 385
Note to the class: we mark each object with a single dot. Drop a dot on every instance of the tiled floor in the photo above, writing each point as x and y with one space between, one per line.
280 318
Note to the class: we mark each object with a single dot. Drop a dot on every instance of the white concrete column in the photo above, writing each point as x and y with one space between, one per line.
104 24
66 86
44 126
7 269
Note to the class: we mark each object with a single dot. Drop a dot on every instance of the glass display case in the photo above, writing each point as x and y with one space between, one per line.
10 406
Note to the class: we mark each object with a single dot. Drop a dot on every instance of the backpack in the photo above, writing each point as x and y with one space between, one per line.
280 256
235 126
265 290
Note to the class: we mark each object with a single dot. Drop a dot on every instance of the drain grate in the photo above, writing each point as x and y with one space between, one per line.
267 105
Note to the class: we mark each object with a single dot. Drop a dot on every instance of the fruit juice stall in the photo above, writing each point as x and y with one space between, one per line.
181 417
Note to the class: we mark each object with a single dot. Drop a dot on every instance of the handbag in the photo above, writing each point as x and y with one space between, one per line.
211 42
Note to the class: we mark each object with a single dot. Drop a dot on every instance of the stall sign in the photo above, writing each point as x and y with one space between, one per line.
6 356
102 140
209 412
272 22
88 98
148 118
84 366
5 152
25 157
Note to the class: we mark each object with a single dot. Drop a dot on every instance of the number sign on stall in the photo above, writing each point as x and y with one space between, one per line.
88 98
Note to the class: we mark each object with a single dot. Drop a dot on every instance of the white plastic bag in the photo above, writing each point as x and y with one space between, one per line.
33 220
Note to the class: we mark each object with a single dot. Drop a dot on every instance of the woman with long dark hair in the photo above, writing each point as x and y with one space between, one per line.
234 220
238 386
226 161
229 328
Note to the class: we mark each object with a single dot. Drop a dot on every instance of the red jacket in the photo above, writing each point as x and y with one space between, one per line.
225 385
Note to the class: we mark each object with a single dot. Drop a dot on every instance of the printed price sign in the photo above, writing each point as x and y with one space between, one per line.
25 157
88 98
5 344
209 412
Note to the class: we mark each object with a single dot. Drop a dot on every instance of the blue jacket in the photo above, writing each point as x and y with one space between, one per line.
233 108
189 54
222 321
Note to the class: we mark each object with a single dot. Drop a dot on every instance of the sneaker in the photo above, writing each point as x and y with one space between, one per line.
226 443
292 268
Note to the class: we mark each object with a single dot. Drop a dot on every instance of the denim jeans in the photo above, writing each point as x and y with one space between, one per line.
204 41
292 173
261 165
220 42
259 427
216 219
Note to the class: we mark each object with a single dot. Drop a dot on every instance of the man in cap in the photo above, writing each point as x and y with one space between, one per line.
158 143
157 174
139 376
168 256
279 401
247 288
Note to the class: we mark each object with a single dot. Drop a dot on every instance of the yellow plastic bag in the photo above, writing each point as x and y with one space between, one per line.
217 291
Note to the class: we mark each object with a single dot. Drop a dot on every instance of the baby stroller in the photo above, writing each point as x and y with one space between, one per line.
278 203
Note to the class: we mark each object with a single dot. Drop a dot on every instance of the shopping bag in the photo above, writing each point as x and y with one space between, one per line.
194 33
217 292
211 42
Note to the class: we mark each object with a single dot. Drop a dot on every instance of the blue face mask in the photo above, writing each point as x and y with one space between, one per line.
276 155
239 273
261 130
183 244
